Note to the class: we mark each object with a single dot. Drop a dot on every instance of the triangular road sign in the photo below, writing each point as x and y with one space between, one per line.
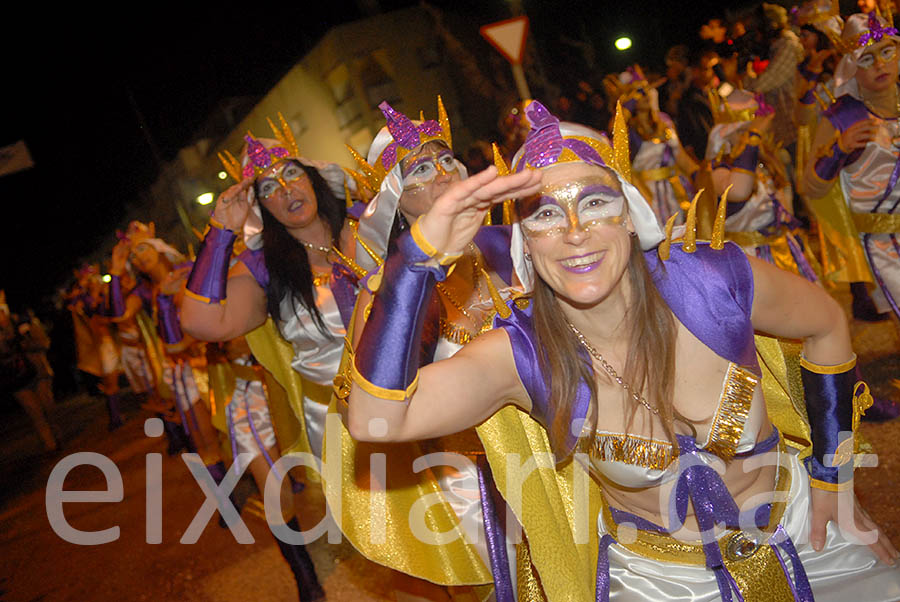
508 37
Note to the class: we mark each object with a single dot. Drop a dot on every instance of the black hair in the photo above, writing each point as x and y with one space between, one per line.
822 41
287 262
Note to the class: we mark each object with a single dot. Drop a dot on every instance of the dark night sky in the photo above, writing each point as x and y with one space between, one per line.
67 79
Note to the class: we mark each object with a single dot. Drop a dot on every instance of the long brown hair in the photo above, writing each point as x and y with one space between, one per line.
650 363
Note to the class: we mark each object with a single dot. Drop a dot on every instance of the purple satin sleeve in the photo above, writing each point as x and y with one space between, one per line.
167 319
493 242
520 329
344 286
829 405
828 166
116 298
388 352
846 111
749 157
711 293
256 264
209 275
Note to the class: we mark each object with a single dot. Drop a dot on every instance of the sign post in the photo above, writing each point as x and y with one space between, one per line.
508 37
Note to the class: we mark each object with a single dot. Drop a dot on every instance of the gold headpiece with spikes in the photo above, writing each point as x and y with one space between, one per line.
232 166
285 135
374 175
621 161
689 240
282 133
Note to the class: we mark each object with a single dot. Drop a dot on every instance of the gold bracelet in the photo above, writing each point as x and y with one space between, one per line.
429 249
820 369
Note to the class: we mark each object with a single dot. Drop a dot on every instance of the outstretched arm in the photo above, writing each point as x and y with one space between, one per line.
391 399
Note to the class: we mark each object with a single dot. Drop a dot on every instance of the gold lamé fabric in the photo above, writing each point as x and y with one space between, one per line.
374 515
842 255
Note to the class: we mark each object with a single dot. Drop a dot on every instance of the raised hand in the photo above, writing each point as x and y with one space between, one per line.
859 134
233 205
456 215
119 259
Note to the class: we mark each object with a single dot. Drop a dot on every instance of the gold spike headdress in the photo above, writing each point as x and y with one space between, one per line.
381 172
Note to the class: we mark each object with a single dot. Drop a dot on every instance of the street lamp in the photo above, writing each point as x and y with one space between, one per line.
623 43
206 198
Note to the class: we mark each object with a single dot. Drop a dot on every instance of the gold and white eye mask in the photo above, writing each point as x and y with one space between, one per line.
582 203
427 166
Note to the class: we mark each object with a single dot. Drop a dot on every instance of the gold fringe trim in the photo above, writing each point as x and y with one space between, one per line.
734 407
631 449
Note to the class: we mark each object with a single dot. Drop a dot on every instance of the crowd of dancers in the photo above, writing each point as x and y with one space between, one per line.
626 289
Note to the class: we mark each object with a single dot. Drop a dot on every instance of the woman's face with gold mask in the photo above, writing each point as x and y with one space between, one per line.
577 231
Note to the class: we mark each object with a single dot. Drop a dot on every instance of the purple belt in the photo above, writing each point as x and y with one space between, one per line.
713 504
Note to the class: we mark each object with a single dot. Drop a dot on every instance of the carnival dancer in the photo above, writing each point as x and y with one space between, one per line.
130 307
288 211
841 255
642 355
98 351
135 360
166 269
661 168
745 162
858 144
409 164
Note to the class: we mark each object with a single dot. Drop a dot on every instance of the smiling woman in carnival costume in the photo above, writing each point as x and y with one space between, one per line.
640 357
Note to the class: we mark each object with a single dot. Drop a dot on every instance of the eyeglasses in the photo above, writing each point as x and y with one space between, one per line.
581 204
884 55
268 187
427 166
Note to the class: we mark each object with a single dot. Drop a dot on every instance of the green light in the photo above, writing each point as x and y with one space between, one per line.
107 278
222 175
623 43
206 198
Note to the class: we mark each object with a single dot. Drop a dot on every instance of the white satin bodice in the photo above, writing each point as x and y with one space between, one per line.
317 354
865 180
634 476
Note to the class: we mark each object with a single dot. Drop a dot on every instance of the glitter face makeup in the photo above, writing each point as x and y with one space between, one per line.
582 203
426 166
267 187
